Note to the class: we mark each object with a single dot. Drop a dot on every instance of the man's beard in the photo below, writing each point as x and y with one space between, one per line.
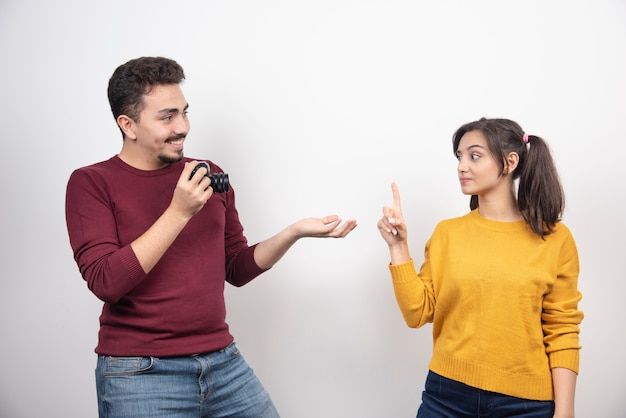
168 159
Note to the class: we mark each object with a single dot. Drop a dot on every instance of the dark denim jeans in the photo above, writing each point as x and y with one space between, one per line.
447 398
218 384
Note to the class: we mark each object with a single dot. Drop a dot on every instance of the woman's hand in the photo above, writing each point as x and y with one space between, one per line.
391 225
393 229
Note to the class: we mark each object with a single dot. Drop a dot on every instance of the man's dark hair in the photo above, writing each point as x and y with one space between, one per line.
130 81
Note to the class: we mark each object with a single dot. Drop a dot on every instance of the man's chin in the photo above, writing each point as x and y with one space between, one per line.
170 159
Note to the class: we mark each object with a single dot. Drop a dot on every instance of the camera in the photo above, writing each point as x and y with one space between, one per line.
219 181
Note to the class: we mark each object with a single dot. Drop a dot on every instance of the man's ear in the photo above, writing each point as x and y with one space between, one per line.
127 125
510 162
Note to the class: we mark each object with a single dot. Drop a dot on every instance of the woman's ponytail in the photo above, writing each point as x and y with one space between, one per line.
540 196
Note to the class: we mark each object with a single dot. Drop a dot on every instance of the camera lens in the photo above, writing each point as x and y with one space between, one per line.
219 182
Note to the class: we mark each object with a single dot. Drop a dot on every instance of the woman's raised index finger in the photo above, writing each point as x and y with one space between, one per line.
396 196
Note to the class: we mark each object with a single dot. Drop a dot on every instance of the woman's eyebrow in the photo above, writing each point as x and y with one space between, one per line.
469 147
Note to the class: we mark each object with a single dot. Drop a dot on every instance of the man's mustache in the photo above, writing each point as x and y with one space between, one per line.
175 137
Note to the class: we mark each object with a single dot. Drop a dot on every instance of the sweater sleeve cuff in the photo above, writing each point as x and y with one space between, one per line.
130 264
568 359
244 269
403 273
250 264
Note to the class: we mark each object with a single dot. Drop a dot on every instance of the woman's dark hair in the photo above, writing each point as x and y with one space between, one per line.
540 196
130 81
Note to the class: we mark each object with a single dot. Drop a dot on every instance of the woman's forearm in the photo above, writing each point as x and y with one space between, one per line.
564 381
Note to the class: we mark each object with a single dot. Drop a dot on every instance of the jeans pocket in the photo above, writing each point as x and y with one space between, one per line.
232 349
124 366
434 383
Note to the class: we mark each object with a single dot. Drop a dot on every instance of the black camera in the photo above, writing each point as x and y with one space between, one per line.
219 181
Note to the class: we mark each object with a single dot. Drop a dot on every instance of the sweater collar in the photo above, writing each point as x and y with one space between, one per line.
496 225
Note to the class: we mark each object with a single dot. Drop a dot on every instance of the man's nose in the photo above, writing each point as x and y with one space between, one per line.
182 126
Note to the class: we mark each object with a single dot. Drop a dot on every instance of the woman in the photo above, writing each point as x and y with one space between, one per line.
499 284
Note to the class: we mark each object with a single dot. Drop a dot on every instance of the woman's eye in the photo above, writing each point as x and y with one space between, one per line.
475 156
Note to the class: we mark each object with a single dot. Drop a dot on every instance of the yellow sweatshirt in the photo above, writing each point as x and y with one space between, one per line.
503 303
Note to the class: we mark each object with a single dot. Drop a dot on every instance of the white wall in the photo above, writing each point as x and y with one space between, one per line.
313 107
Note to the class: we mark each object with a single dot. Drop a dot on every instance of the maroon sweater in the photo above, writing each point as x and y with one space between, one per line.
178 308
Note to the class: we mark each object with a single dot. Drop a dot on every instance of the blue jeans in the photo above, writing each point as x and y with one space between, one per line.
217 384
447 398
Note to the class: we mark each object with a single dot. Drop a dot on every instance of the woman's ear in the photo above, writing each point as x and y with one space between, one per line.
510 162
127 125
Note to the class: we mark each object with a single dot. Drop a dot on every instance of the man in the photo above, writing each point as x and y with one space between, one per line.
156 244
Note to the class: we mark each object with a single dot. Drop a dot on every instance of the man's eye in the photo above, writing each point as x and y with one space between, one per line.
168 117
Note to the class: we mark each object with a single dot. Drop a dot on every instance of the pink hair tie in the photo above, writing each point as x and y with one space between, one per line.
525 138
